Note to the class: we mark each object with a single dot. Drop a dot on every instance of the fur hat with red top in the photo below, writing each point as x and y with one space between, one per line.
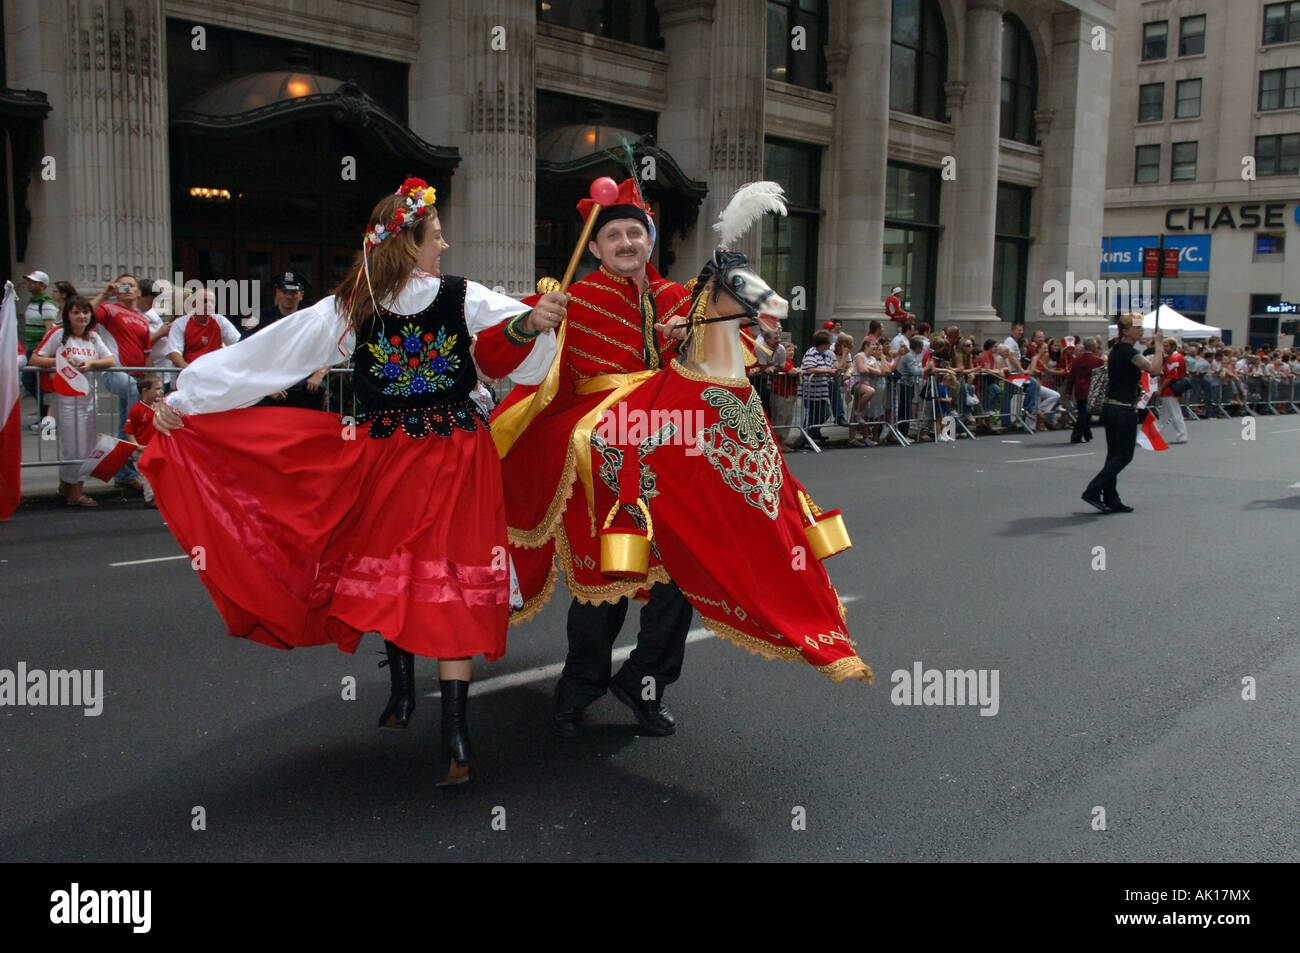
629 204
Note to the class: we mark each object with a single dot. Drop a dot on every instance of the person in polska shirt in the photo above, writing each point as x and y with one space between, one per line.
200 330
85 350
139 422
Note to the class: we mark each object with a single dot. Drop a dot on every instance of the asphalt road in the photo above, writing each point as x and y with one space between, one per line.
1118 689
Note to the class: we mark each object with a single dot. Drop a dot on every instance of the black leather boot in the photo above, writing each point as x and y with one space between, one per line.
455 732
401 703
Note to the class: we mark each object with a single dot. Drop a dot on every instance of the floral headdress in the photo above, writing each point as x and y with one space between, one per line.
420 197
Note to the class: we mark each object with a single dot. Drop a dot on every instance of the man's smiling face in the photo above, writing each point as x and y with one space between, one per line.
623 246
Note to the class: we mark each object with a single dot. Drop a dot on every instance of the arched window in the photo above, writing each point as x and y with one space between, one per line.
1019 82
918 63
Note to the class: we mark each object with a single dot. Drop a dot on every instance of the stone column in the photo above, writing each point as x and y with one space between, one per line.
474 88
686 122
111 189
977 164
859 157
737 69
1074 127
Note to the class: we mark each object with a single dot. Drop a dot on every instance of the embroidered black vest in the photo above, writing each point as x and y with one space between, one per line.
415 371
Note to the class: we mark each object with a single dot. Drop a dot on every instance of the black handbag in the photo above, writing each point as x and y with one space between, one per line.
1181 386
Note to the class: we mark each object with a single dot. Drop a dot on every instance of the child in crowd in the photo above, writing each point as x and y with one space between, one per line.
139 422
84 350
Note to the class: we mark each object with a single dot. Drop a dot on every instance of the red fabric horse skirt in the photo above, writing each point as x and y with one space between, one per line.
309 537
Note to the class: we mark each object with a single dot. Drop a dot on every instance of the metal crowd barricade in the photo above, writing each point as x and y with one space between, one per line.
107 416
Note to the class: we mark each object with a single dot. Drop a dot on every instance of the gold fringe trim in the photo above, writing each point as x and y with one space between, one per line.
538 602
614 591
543 532
845 668
706 378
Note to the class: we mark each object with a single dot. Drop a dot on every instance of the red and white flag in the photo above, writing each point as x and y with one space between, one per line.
1148 437
69 381
107 458
11 443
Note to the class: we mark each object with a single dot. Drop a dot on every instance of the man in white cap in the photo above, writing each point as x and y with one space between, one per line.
42 313
894 306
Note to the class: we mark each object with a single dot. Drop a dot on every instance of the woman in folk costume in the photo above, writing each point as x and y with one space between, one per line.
314 530
684 457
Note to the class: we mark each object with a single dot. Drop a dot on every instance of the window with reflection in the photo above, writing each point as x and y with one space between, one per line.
790 244
918 63
1183 162
911 245
1151 102
632 21
1155 40
1011 251
1019 82
796 42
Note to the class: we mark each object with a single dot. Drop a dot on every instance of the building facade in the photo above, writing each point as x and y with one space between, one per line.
953 147
1205 151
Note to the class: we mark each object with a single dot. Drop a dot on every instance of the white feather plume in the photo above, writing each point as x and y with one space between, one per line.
746 207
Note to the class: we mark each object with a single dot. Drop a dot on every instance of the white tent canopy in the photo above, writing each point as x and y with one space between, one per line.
1174 325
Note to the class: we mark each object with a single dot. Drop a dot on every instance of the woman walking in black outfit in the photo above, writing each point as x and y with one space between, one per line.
1119 415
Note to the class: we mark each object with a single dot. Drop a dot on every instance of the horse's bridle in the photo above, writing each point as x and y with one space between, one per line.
720 266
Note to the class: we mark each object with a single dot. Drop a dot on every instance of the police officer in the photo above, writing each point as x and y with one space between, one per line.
290 287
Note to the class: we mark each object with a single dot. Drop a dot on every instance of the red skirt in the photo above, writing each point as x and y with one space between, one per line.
304 533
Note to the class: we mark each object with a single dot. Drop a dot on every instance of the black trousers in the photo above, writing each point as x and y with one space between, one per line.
660 646
1082 423
1121 425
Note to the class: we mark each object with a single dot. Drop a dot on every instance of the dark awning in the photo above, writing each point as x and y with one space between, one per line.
262 100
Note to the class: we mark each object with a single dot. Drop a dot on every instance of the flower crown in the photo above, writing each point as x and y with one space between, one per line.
420 197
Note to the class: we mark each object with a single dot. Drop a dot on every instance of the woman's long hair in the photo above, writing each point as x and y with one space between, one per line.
390 264
80 304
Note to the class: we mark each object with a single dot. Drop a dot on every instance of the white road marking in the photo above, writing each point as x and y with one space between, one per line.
1013 441
159 559
1059 456
1292 430
544 672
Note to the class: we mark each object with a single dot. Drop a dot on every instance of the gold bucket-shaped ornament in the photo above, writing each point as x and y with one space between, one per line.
625 553
826 532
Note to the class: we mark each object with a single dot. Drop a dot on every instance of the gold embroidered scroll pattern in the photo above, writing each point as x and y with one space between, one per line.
749 461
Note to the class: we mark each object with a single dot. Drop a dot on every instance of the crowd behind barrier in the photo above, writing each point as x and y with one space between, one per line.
809 409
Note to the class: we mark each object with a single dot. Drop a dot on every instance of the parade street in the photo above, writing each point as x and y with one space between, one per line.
1138 676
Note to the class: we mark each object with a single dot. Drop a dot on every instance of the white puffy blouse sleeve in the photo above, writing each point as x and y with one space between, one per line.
275 358
485 308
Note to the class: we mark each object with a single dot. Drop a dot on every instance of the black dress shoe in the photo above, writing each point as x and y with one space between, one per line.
401 703
1095 501
1116 506
567 718
652 716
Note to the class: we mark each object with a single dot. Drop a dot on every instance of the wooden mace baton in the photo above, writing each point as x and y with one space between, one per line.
583 239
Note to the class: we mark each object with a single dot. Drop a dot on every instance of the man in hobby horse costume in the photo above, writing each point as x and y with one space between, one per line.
730 533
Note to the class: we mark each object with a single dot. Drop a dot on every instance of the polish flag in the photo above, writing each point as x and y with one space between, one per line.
69 381
11 445
107 458
1148 437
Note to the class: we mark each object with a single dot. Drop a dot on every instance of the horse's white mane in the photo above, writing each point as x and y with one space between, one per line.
746 207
